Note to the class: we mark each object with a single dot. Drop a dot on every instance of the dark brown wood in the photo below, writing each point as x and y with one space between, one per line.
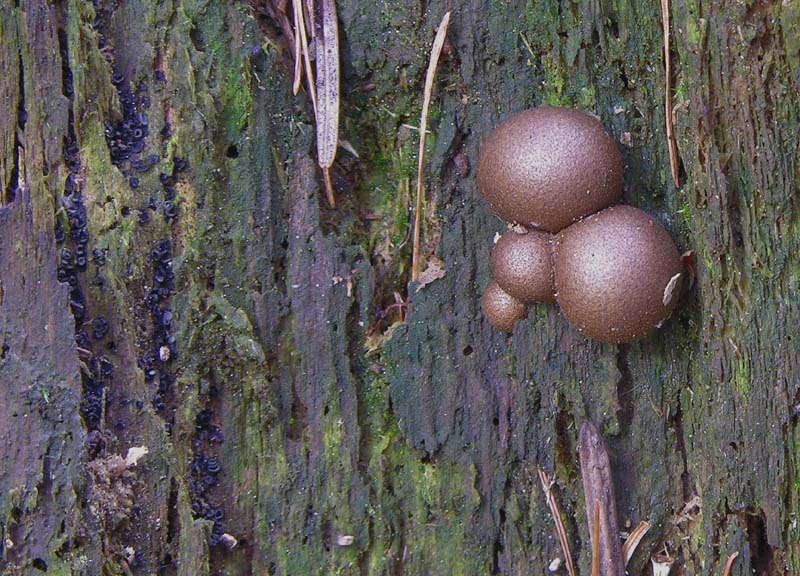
598 492
419 457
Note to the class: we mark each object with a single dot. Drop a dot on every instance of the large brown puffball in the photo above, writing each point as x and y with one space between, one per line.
546 168
522 265
501 309
617 275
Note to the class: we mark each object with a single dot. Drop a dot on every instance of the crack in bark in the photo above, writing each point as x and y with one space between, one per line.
763 561
13 184
625 396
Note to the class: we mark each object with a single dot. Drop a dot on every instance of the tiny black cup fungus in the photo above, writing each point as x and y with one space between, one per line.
617 275
522 265
501 309
546 168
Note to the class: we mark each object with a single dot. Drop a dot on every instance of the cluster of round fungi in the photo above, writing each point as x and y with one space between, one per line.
553 174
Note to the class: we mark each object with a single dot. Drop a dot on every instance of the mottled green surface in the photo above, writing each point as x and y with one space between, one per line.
425 451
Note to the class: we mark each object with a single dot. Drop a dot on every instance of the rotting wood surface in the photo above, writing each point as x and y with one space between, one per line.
420 458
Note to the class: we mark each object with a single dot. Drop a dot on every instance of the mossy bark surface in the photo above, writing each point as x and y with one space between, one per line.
288 404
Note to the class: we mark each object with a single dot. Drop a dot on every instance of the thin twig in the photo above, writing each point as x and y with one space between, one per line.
438 42
729 564
562 534
673 145
596 541
633 541
327 44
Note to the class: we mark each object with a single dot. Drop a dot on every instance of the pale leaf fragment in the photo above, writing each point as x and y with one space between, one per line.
346 145
135 453
344 540
669 289
228 541
327 51
434 271
662 565
629 547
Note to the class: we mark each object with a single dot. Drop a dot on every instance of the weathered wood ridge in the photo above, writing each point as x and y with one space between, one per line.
159 141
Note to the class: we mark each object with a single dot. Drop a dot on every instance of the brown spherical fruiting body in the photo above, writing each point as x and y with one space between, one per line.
522 265
617 274
501 309
546 168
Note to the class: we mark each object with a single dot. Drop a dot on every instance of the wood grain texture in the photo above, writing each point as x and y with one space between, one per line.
598 492
425 452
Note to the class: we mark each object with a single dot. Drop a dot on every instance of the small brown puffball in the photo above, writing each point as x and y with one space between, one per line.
546 168
501 309
522 265
617 274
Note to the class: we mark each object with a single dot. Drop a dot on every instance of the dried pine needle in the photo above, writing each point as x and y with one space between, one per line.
672 144
438 43
562 534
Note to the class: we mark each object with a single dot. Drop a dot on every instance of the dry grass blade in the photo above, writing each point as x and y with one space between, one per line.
300 32
673 145
438 43
298 52
327 44
562 534
729 564
633 541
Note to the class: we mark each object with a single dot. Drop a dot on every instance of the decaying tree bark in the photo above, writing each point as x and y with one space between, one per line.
171 278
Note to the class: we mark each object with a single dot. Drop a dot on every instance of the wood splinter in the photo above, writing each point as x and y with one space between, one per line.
598 490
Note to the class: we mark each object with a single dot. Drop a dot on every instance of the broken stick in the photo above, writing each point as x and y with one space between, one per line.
598 489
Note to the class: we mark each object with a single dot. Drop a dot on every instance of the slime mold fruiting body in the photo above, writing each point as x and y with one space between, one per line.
546 168
502 309
522 265
614 272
